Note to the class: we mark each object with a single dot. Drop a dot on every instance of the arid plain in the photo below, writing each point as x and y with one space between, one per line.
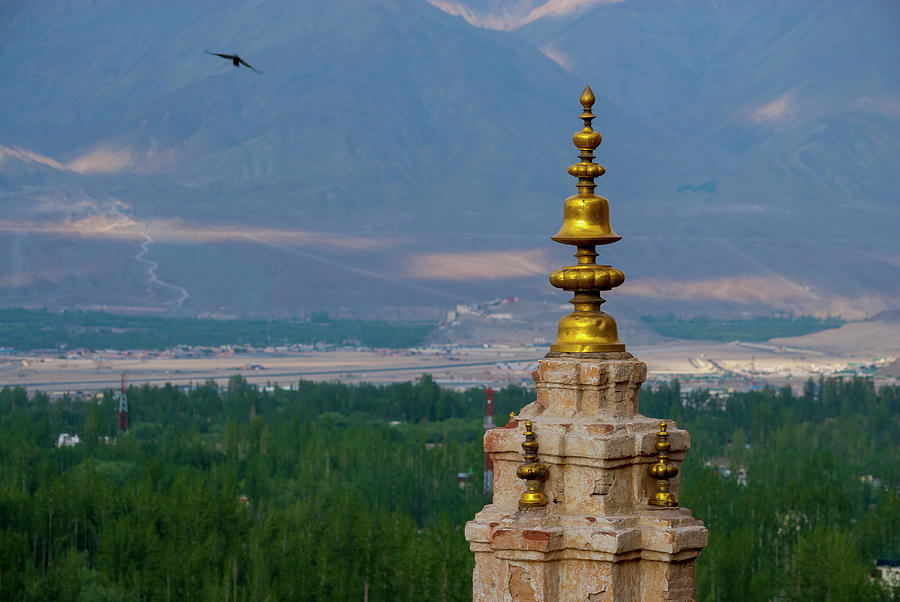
869 348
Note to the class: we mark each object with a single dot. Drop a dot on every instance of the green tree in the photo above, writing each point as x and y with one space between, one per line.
826 566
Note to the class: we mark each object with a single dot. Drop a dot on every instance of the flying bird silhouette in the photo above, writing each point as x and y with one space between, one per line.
235 60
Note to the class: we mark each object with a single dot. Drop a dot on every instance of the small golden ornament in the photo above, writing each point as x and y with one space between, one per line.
662 471
534 473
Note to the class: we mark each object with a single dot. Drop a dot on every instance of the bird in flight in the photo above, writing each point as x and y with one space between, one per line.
235 60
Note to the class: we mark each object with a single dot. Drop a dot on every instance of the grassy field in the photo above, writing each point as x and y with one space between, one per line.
760 328
26 329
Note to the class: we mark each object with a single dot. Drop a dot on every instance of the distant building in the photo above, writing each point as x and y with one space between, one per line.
67 440
888 570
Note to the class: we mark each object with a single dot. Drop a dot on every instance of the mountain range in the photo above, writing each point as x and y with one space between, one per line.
399 157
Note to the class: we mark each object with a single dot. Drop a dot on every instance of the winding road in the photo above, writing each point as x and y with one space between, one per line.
152 266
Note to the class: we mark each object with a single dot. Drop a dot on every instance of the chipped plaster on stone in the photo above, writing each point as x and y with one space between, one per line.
597 537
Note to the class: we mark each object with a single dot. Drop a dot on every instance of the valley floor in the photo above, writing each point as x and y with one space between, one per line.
726 367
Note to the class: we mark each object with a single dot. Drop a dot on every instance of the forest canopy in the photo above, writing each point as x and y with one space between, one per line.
335 492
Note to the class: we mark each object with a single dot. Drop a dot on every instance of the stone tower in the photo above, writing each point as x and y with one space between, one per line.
590 511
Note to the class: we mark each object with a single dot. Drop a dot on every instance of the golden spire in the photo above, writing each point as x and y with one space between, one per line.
585 225
533 472
662 471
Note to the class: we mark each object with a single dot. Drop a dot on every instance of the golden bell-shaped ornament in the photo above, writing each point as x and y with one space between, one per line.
586 221
587 329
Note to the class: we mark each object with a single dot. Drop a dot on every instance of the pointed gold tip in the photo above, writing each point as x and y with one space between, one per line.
587 98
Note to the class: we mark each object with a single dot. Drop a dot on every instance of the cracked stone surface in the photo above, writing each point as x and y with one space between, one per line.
598 539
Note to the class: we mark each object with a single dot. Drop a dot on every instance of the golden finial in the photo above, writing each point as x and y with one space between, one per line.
533 472
586 225
662 471
512 416
587 101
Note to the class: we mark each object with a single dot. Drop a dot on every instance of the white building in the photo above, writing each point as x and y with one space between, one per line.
67 440
888 570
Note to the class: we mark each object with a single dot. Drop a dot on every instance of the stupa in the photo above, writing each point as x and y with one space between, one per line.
585 493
